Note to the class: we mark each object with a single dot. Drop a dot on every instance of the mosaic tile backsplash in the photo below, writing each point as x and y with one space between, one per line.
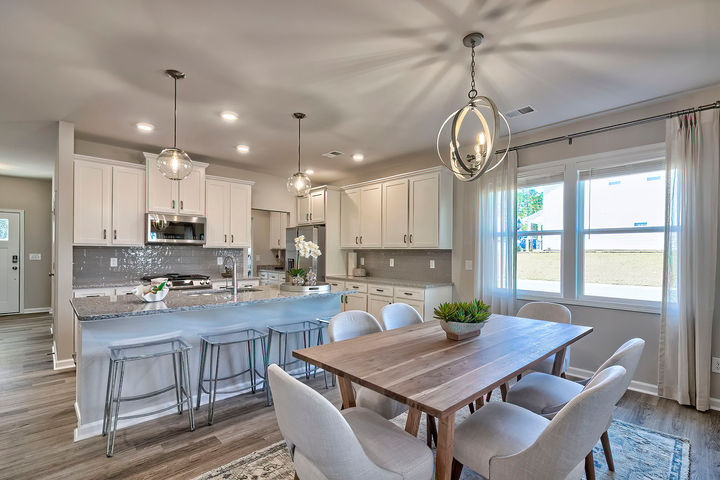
409 264
91 265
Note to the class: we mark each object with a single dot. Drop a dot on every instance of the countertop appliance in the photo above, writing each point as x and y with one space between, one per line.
312 233
174 229
180 281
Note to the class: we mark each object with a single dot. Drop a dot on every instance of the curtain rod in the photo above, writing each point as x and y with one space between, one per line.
640 121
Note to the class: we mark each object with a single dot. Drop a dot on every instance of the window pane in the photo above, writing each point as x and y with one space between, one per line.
538 263
4 229
627 266
635 200
540 207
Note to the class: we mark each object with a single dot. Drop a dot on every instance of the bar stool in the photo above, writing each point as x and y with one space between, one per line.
119 355
248 337
306 329
325 322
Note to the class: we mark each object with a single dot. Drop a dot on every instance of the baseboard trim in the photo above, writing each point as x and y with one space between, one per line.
636 386
37 310
63 364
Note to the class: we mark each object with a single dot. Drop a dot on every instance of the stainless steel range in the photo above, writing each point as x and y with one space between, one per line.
179 281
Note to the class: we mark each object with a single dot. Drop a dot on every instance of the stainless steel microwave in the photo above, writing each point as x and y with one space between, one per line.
175 229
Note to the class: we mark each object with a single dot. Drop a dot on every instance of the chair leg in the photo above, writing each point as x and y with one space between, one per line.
431 434
472 408
589 467
487 397
479 403
457 468
562 375
608 453
503 391
519 377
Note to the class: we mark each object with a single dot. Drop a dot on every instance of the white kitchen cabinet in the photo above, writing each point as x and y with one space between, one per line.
240 216
92 197
184 197
375 305
128 206
424 211
355 301
303 210
395 214
278 224
311 208
371 216
417 305
350 218
228 221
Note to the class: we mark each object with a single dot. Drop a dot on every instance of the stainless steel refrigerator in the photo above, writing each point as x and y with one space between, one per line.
312 233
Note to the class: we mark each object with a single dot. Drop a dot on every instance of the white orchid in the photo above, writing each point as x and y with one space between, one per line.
307 249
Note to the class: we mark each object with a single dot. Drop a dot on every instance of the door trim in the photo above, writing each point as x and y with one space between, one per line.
21 308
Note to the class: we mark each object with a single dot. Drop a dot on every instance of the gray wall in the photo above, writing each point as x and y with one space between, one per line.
262 255
35 197
409 264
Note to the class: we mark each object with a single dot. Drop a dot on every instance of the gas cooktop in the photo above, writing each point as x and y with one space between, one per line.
180 281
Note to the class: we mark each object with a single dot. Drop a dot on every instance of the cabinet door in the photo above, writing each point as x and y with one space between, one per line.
417 305
350 218
356 301
395 214
92 198
217 202
278 224
240 215
317 206
303 210
376 304
192 193
128 206
371 216
424 211
162 193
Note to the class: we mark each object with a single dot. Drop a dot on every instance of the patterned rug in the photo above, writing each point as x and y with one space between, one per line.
639 454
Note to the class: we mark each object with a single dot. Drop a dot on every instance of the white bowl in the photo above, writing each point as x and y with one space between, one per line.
152 297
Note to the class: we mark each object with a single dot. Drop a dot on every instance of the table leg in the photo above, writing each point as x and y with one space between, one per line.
559 361
412 425
446 434
346 391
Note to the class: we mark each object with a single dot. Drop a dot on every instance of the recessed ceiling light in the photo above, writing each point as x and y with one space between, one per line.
309 171
229 116
145 127
358 157
242 148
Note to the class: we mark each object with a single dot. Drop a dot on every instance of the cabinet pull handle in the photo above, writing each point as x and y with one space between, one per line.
226 237
278 241
104 233
307 216
408 294
360 238
114 234
232 238
182 205
405 238
411 238
311 216
356 240
173 204
379 289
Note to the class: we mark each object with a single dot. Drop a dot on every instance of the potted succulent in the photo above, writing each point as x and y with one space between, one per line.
462 320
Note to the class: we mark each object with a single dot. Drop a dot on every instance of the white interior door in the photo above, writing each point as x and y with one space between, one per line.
9 262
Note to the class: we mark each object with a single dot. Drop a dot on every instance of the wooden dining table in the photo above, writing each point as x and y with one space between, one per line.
419 366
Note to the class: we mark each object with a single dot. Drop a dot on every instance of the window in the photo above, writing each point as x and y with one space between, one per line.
605 246
4 229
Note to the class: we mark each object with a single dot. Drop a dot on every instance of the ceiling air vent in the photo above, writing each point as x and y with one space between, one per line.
332 154
520 111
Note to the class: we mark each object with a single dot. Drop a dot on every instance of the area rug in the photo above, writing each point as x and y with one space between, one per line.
639 454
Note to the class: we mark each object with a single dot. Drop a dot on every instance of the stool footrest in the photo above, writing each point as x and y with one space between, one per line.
147 395
139 415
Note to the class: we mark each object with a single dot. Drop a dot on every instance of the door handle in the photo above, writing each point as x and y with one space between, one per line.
182 205
104 233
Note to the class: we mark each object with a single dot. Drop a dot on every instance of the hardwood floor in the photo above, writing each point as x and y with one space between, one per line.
37 420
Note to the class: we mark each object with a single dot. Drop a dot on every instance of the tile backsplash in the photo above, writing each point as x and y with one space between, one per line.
91 265
408 264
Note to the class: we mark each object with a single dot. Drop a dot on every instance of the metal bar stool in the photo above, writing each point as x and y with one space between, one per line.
325 322
119 355
305 330
248 337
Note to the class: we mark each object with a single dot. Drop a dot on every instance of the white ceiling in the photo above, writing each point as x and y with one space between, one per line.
373 76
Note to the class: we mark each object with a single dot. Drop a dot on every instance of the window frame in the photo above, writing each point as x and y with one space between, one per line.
572 241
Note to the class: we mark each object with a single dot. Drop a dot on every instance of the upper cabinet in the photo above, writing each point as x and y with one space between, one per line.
278 224
413 210
109 202
228 221
184 197
311 208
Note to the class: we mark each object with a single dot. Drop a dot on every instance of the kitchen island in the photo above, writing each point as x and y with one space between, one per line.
104 321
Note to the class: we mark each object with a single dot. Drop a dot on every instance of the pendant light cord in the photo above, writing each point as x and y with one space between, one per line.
175 117
472 93
299 143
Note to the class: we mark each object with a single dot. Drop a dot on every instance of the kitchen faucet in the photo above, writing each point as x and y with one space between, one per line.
234 282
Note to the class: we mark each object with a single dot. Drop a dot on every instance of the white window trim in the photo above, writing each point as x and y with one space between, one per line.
572 237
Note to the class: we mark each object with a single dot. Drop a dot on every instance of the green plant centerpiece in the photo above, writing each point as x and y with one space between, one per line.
462 320
297 275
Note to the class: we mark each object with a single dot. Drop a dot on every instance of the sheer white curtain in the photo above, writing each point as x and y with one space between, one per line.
495 274
689 283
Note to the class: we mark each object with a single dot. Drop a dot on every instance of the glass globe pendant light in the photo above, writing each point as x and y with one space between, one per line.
299 183
472 154
173 162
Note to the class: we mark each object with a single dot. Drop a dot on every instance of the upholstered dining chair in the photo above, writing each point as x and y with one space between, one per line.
546 394
550 312
355 323
398 315
355 444
502 441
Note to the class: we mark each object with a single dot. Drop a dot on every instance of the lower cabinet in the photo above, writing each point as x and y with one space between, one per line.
355 301
376 304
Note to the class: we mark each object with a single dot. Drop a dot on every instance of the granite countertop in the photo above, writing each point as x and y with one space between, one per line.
140 282
102 308
390 281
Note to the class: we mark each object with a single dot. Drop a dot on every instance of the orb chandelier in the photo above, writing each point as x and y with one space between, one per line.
471 155
299 183
173 162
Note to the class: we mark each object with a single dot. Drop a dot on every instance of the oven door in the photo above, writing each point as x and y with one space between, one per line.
174 229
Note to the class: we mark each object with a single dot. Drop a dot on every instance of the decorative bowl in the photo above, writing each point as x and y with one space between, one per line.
460 330
141 291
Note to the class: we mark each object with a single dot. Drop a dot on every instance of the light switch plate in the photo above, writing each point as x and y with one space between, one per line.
362 260
432 263
468 264
715 365
392 262
113 262
35 256
219 260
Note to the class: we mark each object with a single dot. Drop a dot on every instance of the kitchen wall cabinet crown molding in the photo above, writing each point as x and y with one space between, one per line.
228 219
184 197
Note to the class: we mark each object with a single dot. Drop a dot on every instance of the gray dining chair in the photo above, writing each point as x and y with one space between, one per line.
355 444
398 315
356 323
550 312
546 394
503 441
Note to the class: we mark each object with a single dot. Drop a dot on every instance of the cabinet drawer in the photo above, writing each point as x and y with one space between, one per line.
409 293
361 287
248 283
264 275
381 290
336 286
125 291
93 292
